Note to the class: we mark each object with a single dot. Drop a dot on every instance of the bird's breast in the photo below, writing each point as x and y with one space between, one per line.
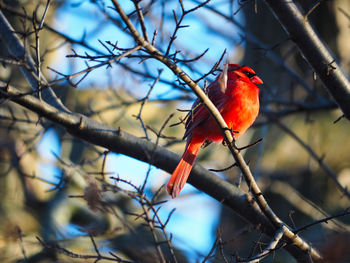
241 111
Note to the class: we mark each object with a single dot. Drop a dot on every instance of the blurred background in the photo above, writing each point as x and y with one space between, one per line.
51 187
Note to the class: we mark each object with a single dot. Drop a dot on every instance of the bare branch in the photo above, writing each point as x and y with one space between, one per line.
271 247
318 159
315 52
122 142
16 49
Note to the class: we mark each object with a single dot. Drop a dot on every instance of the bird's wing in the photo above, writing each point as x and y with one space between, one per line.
199 113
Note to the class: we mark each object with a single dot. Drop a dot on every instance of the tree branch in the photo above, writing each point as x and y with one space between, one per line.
29 71
119 141
122 142
314 50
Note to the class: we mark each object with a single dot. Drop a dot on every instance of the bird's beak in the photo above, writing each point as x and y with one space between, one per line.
256 80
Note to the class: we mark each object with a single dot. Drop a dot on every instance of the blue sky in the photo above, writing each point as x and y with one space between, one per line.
194 222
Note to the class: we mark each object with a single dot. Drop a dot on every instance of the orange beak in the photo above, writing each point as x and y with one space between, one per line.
256 80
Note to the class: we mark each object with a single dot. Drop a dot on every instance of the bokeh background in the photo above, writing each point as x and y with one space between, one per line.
48 176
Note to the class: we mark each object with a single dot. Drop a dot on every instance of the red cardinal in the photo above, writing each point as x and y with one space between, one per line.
236 95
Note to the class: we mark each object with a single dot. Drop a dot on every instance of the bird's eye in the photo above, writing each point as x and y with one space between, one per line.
249 74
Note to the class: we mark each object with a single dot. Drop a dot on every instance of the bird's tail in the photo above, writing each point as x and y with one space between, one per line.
182 171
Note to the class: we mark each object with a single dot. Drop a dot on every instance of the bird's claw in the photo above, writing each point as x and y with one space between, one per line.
232 131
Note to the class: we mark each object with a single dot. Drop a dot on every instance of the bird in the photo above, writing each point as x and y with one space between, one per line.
235 93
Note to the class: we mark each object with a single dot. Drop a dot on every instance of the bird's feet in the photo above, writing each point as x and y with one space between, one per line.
233 132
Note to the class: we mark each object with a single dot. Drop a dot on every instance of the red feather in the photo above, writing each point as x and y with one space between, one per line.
236 95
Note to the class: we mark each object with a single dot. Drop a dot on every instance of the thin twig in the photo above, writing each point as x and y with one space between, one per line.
271 247
323 220
89 69
312 153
